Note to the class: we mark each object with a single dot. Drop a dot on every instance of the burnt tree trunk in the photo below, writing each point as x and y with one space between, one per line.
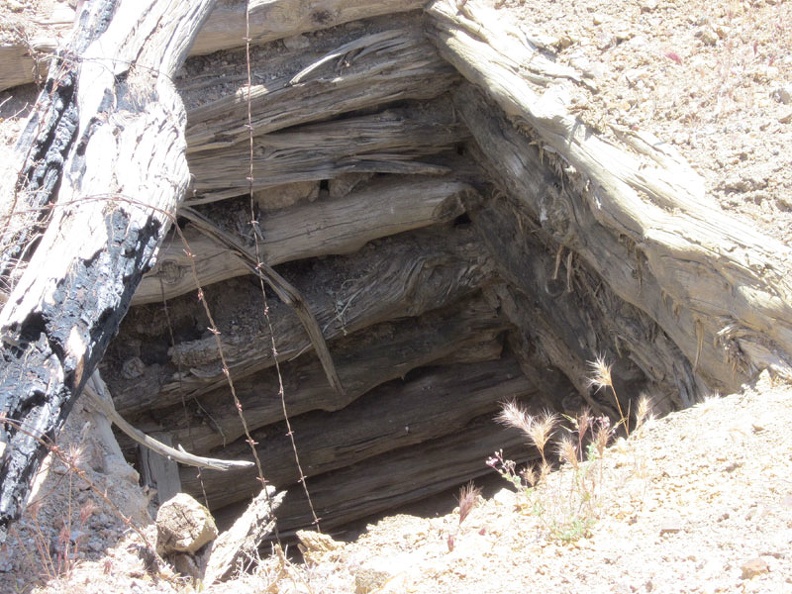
102 169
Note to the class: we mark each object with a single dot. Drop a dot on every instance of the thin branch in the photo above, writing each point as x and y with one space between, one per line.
283 289
99 399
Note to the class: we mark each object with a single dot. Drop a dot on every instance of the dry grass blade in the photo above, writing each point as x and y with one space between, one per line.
601 378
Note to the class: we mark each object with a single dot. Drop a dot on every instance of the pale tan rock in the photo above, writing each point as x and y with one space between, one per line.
315 545
184 526
754 567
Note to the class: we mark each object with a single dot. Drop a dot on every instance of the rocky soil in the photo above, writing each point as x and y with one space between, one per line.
700 501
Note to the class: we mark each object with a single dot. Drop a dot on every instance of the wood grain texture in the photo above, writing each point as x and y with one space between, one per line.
428 404
393 140
718 287
224 29
395 62
383 352
399 276
116 176
323 228
399 477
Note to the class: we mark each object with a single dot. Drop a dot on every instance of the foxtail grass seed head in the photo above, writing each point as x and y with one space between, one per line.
602 435
643 411
600 378
530 476
541 431
515 416
468 495
568 452
600 373
544 470
584 420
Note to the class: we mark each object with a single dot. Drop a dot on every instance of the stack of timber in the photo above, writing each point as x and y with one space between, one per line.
399 226
358 178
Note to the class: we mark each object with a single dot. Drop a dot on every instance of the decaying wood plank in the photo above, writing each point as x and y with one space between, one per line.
160 472
396 63
392 277
570 315
721 288
116 176
277 20
241 541
282 288
386 352
393 348
552 207
391 141
24 58
379 483
321 228
224 29
395 415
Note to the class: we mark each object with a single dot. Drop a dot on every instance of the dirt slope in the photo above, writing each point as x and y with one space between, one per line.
700 501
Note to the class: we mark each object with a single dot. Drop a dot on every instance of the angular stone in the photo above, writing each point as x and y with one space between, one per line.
754 567
184 526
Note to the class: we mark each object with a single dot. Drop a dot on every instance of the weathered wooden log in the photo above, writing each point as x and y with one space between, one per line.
277 20
394 277
268 278
113 172
224 29
397 478
431 403
25 59
396 346
241 541
321 228
384 352
391 62
568 313
533 187
391 141
716 286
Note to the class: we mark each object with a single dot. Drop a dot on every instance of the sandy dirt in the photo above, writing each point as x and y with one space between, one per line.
700 501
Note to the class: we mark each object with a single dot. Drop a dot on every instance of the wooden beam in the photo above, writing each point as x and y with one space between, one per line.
21 63
395 140
102 171
717 286
397 478
564 310
278 20
395 415
387 351
391 62
322 228
393 277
